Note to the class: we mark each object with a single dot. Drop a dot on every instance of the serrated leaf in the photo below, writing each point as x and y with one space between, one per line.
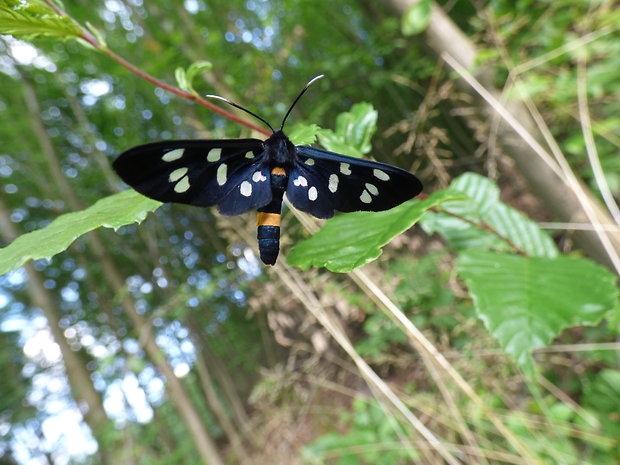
354 130
303 134
416 18
60 233
38 7
33 20
526 302
354 239
485 208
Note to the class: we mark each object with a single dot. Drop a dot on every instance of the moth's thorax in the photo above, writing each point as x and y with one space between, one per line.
279 150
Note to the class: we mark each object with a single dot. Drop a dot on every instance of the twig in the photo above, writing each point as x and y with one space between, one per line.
92 40
575 44
579 226
591 150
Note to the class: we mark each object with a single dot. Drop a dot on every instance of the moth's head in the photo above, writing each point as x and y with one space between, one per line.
279 149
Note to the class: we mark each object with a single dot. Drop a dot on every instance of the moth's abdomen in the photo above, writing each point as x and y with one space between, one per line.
268 243
268 219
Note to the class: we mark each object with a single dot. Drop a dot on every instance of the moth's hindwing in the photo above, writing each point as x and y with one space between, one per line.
321 182
252 190
199 172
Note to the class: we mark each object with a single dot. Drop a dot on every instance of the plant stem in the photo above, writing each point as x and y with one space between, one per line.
181 93
92 40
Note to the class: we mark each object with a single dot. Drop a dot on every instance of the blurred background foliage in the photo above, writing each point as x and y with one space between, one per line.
145 344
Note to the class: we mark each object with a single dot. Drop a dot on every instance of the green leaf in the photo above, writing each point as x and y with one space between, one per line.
603 391
181 77
613 320
526 302
484 208
353 131
367 425
303 134
416 18
197 68
193 70
601 395
60 233
58 3
185 79
354 239
342 446
34 20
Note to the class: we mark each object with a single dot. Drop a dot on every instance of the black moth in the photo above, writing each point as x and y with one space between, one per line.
239 175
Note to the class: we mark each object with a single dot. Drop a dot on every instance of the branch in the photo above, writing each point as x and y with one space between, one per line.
89 38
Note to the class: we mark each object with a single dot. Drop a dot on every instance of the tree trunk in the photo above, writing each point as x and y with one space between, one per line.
225 381
444 37
208 389
84 393
222 376
202 439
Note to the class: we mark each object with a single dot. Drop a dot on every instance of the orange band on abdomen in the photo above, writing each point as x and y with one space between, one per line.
277 170
268 219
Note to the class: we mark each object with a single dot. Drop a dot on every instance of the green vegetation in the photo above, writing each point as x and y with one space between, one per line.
475 324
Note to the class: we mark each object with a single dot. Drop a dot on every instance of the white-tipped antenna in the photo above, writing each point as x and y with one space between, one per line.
240 108
310 82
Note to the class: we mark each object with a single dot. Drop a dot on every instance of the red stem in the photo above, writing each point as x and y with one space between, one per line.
181 93
92 40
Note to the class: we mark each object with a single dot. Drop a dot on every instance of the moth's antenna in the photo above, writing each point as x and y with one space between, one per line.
240 108
316 78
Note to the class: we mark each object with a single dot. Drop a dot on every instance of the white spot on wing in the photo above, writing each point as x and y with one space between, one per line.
177 174
258 177
214 155
300 181
381 175
173 155
182 185
222 173
345 168
312 193
372 189
309 162
246 188
333 183
249 154
365 197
